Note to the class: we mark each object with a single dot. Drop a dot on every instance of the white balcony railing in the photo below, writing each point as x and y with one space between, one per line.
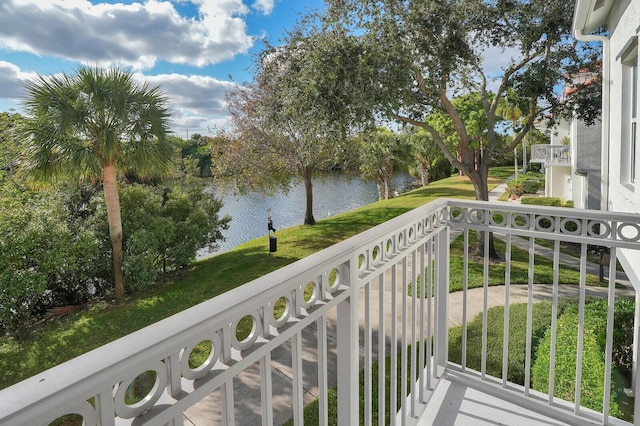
363 300
551 155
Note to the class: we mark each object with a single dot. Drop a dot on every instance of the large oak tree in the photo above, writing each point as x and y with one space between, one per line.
418 55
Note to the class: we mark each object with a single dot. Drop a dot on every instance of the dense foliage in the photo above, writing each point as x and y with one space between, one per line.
429 163
197 151
55 250
546 201
420 58
44 259
380 152
165 228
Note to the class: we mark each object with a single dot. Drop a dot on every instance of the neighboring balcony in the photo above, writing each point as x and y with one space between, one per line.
367 315
551 155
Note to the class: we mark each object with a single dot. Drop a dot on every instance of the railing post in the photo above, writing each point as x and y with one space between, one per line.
634 373
442 301
348 350
105 408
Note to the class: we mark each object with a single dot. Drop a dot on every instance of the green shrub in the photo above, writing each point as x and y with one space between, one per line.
595 329
514 188
542 201
531 186
164 229
139 263
534 175
547 201
530 176
565 364
517 337
440 169
42 258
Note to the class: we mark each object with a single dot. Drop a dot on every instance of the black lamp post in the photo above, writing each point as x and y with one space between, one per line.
273 240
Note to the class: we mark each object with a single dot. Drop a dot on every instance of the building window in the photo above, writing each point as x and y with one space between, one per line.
634 119
628 148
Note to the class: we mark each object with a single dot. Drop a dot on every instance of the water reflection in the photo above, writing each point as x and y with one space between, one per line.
333 193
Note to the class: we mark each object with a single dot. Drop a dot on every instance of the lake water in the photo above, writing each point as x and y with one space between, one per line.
333 193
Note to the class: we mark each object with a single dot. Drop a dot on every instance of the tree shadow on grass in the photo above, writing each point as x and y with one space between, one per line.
328 232
448 191
242 265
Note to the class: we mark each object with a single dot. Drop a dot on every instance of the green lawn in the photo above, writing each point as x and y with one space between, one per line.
57 341
543 272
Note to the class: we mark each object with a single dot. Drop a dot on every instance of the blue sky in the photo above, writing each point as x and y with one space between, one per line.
188 48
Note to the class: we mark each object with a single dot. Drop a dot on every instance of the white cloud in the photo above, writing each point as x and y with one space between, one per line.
221 7
136 35
496 59
197 102
12 81
264 6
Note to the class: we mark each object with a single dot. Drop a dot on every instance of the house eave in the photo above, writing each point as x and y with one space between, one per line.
590 15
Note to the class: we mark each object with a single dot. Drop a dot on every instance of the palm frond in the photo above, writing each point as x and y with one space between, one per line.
77 124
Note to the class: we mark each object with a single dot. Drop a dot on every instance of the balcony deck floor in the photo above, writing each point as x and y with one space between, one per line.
455 403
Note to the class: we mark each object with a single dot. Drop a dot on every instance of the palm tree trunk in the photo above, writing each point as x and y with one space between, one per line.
380 186
112 200
388 180
424 174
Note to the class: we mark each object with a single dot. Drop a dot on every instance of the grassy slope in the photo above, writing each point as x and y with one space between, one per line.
58 341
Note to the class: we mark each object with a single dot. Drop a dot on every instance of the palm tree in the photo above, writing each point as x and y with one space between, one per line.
96 124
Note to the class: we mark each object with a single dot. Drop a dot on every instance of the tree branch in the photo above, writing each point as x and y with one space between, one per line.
509 72
453 159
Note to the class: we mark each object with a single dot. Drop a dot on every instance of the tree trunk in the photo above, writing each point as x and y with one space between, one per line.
112 201
424 174
308 188
388 180
380 185
480 185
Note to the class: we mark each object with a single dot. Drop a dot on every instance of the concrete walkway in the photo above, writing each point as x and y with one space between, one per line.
247 384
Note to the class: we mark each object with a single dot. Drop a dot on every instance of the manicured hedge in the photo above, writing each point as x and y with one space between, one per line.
517 337
528 183
593 366
546 201
531 186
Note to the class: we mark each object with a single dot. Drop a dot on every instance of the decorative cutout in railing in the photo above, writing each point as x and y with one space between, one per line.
388 245
619 230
